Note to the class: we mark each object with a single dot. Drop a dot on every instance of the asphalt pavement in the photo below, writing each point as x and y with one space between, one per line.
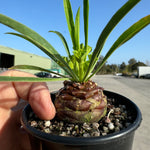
138 90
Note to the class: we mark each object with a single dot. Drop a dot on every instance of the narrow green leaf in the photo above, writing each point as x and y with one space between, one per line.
30 67
70 21
86 21
125 36
30 34
56 57
63 41
116 18
37 40
35 43
77 29
29 79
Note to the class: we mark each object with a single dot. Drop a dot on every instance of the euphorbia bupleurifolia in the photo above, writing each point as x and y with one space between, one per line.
80 100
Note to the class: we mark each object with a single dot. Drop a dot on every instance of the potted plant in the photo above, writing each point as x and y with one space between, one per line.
81 102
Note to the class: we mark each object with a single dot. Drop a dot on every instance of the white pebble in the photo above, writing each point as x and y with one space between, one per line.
68 132
95 125
63 134
47 130
105 129
86 135
120 126
61 123
117 129
74 132
33 124
111 126
95 133
47 123
103 133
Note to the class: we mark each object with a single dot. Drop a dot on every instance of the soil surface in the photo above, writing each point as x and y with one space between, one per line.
118 118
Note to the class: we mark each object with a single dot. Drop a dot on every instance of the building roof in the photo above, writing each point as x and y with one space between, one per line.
14 51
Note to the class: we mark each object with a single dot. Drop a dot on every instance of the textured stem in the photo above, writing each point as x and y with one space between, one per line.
81 102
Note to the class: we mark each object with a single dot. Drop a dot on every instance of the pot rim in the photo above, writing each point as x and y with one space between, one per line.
84 140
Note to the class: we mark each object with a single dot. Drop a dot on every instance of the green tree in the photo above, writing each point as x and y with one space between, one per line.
132 61
103 69
134 66
114 68
122 66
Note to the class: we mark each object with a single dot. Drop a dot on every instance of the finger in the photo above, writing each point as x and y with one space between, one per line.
36 94
40 101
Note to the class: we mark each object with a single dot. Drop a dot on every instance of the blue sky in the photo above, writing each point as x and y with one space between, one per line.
45 15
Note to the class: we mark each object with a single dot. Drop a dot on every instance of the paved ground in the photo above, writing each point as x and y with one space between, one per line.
137 90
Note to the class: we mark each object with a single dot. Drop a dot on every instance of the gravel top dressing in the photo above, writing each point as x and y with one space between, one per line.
118 118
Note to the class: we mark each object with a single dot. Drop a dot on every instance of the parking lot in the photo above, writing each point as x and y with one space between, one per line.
138 90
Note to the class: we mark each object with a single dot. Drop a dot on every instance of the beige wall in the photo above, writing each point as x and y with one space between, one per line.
23 58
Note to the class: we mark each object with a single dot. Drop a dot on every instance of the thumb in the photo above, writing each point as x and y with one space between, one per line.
40 101
37 94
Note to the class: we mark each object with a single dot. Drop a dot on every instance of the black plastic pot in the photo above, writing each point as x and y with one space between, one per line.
122 140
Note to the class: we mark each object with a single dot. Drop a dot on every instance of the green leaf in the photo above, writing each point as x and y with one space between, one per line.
76 67
29 79
35 43
63 41
116 18
60 61
37 40
30 34
70 21
127 35
30 67
86 21
77 29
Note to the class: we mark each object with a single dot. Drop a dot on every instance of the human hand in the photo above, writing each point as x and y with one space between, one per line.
12 137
